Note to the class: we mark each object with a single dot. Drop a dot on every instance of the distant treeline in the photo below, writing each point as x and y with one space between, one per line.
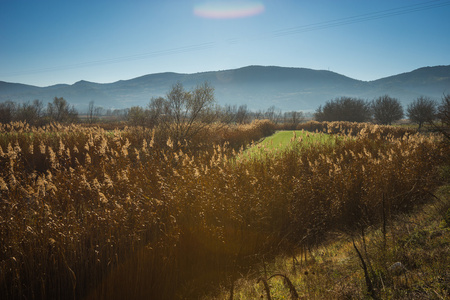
34 113
383 110
198 105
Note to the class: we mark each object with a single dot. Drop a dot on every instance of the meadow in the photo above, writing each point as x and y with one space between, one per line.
284 140
87 213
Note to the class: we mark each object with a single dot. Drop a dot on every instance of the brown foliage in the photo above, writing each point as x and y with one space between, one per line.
87 212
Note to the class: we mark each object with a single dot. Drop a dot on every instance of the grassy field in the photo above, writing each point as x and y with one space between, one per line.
287 139
282 139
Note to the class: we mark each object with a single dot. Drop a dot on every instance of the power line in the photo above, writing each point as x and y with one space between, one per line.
278 33
361 18
152 54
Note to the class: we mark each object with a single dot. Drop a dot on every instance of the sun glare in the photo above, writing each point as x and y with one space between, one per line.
228 9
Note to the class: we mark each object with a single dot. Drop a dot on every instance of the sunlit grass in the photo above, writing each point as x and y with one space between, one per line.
287 139
283 139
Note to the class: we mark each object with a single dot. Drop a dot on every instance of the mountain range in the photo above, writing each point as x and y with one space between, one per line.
258 87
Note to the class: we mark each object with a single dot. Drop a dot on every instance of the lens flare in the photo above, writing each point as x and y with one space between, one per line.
228 9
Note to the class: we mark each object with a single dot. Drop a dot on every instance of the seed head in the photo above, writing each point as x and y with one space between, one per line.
3 185
42 147
102 197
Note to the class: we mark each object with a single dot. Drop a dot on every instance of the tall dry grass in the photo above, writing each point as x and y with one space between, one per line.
100 214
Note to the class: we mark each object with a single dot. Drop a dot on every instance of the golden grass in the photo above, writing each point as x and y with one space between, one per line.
88 212
418 241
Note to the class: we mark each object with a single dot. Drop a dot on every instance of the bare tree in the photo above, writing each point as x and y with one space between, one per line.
294 117
60 111
443 115
421 111
30 112
270 113
185 113
259 114
38 107
228 114
242 114
278 117
386 110
273 114
93 113
155 111
7 111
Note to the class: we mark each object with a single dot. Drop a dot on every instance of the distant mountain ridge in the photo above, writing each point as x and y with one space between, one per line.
258 87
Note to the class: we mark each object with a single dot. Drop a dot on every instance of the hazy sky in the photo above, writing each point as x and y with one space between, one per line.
45 42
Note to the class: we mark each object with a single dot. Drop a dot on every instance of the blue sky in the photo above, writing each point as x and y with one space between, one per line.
45 42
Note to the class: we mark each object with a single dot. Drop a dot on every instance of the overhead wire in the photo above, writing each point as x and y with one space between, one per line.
152 54
274 34
362 18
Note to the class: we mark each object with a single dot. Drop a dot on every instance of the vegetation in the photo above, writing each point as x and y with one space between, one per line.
184 114
386 110
344 109
93 113
443 117
284 140
60 111
169 204
192 110
125 214
410 260
422 110
34 114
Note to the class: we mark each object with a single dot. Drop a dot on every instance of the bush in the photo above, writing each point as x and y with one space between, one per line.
421 111
443 116
386 110
344 109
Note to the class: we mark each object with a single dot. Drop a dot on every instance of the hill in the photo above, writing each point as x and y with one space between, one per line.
259 87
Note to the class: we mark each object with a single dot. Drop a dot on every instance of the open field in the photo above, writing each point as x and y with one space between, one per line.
281 139
286 139
86 213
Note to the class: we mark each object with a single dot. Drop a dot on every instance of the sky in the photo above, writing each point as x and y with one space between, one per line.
47 42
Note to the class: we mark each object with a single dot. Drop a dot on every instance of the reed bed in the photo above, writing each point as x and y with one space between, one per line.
96 214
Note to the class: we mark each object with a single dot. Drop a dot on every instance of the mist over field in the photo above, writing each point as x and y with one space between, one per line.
258 87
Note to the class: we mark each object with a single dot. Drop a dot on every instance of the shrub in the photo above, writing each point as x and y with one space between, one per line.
386 110
421 111
344 109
